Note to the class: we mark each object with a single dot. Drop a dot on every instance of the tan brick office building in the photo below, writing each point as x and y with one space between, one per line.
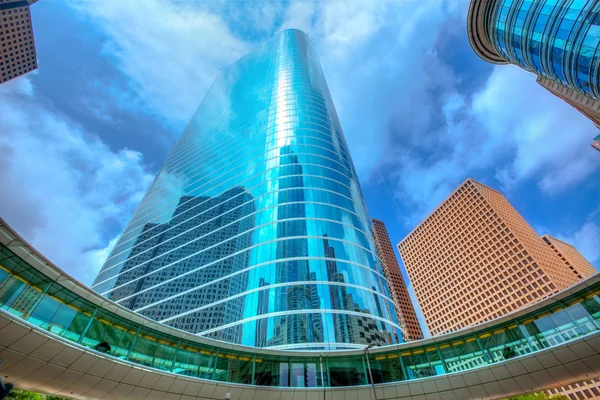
475 258
584 104
17 48
571 257
407 318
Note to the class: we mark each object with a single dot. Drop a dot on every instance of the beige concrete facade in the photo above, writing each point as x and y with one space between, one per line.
17 47
407 318
573 259
475 258
596 143
581 390
585 105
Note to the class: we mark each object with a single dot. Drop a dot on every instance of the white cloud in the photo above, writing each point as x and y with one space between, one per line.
550 139
60 184
170 52
586 240
512 128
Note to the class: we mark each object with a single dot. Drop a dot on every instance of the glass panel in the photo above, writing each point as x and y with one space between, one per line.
234 368
71 316
592 305
272 371
21 286
193 361
154 350
417 364
347 371
386 367
110 334
583 318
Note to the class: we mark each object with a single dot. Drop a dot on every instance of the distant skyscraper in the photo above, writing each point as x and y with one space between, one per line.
17 48
573 259
557 40
596 143
475 258
407 318
255 230
584 104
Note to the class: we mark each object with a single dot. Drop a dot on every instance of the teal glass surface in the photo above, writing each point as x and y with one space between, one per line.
558 39
34 298
255 230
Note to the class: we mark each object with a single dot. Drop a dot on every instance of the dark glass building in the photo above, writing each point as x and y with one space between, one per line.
555 39
255 230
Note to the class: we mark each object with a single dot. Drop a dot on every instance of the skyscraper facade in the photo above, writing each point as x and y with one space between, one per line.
407 317
572 258
596 143
584 104
255 230
555 39
475 258
17 48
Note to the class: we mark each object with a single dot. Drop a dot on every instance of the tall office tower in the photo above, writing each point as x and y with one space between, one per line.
17 48
255 230
596 143
584 104
557 40
407 317
573 259
475 258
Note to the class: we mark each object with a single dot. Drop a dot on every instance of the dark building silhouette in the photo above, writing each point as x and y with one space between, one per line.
205 232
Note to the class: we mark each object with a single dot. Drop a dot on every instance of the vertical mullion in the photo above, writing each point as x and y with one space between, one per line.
175 355
215 365
27 314
133 342
88 325
253 368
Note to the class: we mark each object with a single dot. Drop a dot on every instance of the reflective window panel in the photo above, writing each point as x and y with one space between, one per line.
558 39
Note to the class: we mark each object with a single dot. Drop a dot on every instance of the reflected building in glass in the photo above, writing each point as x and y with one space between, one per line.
255 230
558 40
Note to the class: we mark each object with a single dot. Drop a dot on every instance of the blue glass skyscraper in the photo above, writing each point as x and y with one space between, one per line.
255 230
555 39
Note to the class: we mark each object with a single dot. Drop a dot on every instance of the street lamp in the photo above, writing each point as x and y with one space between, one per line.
369 367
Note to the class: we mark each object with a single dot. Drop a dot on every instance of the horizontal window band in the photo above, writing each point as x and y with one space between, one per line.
268 193
376 258
264 264
259 289
299 312
351 176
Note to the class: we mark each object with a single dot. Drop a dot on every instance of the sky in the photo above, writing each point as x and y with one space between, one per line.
82 138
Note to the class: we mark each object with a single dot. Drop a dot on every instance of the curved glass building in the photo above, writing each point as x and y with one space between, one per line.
255 230
557 39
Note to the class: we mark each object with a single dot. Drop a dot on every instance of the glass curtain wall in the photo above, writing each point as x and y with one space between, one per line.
255 230
558 39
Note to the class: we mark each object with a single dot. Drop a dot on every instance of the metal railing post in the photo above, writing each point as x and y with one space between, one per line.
369 367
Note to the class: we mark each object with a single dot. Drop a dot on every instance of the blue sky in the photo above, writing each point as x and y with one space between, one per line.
82 138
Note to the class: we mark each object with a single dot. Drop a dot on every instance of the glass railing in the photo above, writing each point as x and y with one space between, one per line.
32 296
